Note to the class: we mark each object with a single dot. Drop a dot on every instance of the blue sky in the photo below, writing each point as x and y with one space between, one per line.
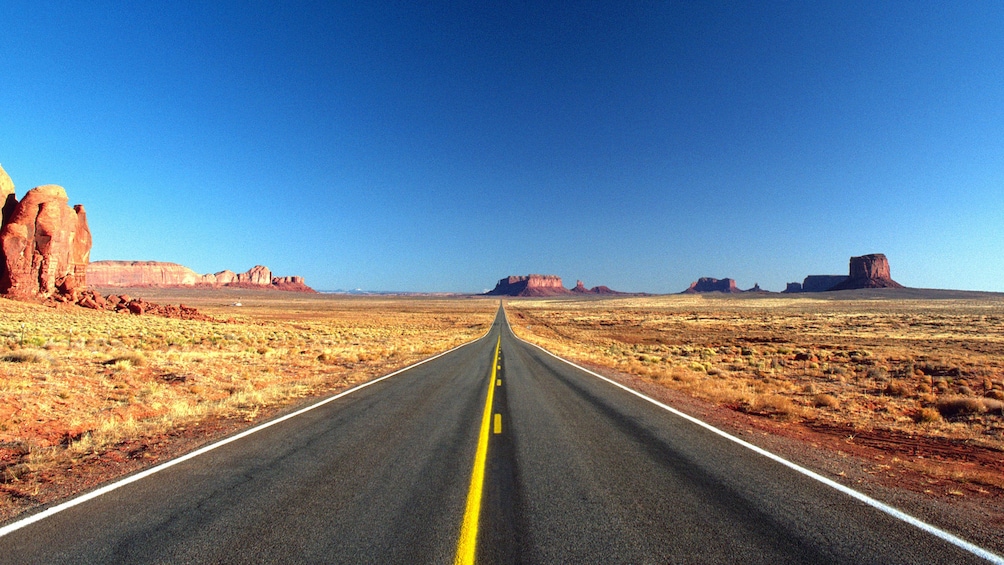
441 146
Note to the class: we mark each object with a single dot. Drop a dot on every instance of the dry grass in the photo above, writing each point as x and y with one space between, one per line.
934 367
75 383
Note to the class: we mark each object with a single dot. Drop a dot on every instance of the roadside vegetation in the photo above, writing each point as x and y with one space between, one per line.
79 387
896 371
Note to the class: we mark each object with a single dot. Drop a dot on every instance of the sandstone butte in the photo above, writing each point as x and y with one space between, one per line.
161 274
866 271
708 284
529 285
542 286
45 244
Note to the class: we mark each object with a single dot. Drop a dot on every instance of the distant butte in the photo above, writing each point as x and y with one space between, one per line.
708 284
580 288
542 286
529 285
866 271
160 274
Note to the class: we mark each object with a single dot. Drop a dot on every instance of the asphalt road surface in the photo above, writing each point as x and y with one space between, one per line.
579 472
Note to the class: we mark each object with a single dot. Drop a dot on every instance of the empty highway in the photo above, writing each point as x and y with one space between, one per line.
560 467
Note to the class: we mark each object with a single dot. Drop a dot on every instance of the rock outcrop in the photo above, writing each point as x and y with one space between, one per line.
868 271
580 288
45 243
708 284
160 274
792 288
529 285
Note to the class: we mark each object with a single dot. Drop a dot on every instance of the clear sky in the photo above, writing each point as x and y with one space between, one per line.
442 146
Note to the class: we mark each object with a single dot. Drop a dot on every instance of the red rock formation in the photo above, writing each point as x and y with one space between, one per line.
45 244
140 273
226 276
708 284
257 275
158 274
530 285
581 289
139 307
868 271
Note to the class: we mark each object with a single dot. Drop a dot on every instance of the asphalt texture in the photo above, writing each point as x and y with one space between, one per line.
582 472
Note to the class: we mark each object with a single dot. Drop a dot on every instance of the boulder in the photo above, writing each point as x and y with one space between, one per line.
44 241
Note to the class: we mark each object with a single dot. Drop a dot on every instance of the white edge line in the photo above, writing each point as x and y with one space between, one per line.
144 474
894 512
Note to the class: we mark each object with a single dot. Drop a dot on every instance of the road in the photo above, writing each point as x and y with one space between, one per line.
580 472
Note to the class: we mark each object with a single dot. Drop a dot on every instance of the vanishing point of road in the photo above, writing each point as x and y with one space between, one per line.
496 452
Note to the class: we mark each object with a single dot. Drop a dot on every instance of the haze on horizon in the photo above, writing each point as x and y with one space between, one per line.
640 145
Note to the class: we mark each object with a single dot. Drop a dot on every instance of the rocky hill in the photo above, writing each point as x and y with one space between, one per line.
161 274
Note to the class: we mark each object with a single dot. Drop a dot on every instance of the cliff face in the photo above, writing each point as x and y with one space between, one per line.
141 273
159 274
530 285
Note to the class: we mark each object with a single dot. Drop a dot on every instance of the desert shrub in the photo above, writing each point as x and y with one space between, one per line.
25 356
774 404
965 390
877 373
927 414
996 394
128 360
897 388
964 406
825 401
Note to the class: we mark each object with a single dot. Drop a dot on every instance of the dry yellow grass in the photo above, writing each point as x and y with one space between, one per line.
933 367
75 383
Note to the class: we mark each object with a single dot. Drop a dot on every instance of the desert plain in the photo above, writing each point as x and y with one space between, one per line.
895 390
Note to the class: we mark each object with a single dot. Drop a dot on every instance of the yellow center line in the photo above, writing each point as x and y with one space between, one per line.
468 542
498 424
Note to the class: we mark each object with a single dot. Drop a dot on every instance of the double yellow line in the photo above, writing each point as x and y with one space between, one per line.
467 545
